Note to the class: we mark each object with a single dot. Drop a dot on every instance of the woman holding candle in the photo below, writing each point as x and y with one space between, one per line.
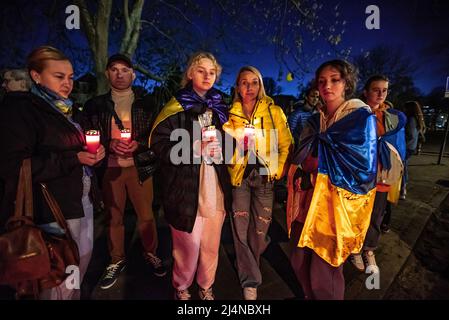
196 190
263 142
38 125
331 184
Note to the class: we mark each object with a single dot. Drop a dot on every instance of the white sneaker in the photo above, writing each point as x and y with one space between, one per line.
357 261
182 294
206 294
250 293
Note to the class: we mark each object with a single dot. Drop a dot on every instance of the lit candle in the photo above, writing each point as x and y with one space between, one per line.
209 133
92 140
249 130
125 134
249 133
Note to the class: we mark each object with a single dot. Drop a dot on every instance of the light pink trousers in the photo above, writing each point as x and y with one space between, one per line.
197 252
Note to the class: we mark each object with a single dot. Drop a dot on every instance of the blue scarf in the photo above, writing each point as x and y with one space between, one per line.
58 102
213 100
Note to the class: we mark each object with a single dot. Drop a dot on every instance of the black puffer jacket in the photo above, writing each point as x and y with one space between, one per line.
31 128
97 115
180 183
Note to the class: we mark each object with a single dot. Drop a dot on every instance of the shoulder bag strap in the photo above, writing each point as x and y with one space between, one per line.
56 210
117 120
24 191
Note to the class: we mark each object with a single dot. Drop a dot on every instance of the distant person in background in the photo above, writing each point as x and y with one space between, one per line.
413 129
298 118
16 80
385 226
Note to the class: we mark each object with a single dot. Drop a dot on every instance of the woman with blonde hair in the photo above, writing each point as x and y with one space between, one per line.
39 125
196 189
263 141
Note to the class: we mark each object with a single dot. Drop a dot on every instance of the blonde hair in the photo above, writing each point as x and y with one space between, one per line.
38 57
195 60
254 70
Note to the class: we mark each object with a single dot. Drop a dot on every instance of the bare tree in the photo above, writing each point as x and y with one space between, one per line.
96 23
393 63
271 87
160 33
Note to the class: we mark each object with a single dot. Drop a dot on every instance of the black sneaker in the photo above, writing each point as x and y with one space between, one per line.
155 263
111 274
384 228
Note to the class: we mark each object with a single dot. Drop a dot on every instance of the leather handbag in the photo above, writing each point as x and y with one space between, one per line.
30 259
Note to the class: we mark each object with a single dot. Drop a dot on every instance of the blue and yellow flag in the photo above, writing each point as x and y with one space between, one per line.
344 192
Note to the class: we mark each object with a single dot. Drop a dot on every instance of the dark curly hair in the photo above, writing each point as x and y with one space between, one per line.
347 71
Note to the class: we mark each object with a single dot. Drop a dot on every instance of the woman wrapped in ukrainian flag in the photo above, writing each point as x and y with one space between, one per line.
331 184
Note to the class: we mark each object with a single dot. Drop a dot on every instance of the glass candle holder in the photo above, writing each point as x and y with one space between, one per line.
92 140
125 135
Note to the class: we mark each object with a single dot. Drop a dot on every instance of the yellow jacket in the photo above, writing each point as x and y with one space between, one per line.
271 146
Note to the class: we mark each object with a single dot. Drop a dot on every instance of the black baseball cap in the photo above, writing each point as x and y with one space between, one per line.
119 57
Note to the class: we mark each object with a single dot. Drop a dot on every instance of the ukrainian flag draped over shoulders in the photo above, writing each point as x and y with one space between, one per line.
344 192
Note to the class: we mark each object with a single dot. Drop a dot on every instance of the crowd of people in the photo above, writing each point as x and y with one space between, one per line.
345 160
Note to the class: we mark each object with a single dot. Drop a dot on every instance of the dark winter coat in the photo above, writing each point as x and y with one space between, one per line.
32 128
97 115
180 183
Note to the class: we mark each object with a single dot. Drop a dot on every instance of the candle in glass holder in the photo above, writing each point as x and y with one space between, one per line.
209 133
249 133
92 140
249 130
125 134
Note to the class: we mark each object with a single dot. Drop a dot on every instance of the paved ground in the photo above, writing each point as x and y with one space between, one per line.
394 255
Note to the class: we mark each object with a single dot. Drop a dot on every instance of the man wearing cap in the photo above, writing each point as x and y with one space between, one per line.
114 113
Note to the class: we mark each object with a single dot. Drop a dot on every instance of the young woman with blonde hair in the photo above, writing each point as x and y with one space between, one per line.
195 189
263 141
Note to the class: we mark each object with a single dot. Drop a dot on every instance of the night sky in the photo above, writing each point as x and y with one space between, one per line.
420 28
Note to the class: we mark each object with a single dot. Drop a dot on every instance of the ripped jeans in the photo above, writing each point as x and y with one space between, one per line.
251 217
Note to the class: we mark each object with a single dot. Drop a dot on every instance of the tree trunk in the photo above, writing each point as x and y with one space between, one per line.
98 37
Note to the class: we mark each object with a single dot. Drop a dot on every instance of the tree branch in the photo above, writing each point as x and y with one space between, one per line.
148 73
126 15
182 15
87 24
132 30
